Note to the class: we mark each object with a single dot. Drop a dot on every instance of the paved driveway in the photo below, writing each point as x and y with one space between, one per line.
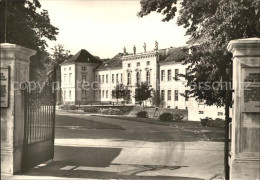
98 147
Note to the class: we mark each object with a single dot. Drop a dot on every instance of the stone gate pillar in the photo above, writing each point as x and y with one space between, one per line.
245 144
17 59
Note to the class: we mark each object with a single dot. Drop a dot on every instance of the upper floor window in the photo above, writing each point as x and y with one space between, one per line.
169 75
138 77
128 65
103 78
186 95
106 78
148 74
176 74
99 78
138 64
106 93
117 81
65 78
84 68
162 75
113 78
103 94
147 63
70 77
128 78
64 95
176 95
99 93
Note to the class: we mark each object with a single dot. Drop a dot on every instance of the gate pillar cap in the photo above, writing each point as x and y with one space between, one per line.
15 49
241 46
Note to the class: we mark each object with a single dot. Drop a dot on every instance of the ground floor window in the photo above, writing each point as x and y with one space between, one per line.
106 93
169 95
162 95
176 95
83 94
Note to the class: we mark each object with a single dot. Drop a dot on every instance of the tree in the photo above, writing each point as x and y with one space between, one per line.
57 56
142 92
211 25
120 91
29 26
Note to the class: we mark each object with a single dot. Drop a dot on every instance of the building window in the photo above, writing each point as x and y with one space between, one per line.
99 93
106 78
162 75
70 94
70 77
106 93
64 69
121 77
147 63
83 68
128 65
186 95
103 77
186 71
176 74
128 78
64 95
176 95
65 78
220 113
117 81
201 112
162 95
69 68
169 75
84 78
103 94
138 77
148 77
138 64
169 95
83 94
113 78
99 78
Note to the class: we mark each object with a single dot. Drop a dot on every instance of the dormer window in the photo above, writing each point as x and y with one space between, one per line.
84 68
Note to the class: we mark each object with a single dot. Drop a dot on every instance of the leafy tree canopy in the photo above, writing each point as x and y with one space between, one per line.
142 92
29 26
211 25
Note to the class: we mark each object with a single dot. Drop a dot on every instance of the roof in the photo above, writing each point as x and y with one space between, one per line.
115 62
174 55
83 56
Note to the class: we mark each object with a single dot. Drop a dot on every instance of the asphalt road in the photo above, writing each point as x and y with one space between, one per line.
99 147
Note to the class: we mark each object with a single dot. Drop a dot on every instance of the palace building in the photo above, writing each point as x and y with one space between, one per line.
86 79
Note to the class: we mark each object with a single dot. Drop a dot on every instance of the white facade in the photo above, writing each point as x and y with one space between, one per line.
151 67
107 80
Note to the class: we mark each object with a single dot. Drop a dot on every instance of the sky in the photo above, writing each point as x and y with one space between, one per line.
105 27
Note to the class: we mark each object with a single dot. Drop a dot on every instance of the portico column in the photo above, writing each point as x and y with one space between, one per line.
17 59
245 145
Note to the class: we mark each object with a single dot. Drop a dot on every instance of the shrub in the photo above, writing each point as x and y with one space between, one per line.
166 117
91 109
178 117
72 107
142 114
65 107
219 122
204 122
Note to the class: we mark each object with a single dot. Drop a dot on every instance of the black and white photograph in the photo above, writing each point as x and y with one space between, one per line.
130 89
